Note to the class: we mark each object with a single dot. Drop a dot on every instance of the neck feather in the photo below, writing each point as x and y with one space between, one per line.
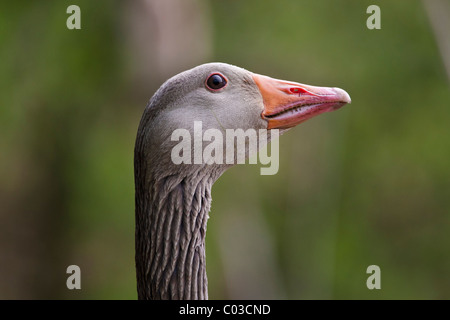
171 216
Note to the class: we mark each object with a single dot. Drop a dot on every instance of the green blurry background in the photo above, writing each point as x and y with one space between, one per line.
368 184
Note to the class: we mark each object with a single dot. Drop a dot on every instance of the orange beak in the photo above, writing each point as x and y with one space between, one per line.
287 104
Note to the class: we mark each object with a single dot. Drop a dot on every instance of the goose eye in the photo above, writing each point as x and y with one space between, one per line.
216 81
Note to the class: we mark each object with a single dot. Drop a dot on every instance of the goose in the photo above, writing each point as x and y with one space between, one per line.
173 200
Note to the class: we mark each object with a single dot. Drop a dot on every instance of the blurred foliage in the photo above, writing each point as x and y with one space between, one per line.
368 184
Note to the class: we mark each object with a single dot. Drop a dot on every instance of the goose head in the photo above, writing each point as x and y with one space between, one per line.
221 96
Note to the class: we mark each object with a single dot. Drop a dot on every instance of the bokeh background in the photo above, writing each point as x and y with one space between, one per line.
368 184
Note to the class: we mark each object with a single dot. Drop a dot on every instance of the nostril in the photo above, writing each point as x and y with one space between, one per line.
297 90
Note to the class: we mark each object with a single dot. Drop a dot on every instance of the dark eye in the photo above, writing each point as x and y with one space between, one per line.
216 81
